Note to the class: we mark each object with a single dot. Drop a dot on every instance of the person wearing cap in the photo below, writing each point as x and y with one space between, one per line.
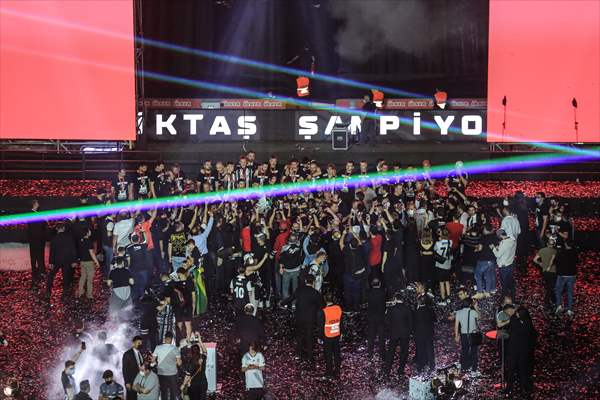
132 360
376 297
505 257
110 390
330 320
400 324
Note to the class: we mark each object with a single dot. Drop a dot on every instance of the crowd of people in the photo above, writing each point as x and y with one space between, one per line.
398 252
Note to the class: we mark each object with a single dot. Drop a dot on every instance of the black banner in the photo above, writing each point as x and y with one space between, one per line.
218 125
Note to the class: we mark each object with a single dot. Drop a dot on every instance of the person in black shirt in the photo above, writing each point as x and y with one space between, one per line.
367 132
309 304
184 300
141 183
355 271
63 256
121 187
137 252
36 236
424 319
159 186
195 373
400 327
120 282
566 270
521 348
87 262
248 329
542 217
240 287
376 317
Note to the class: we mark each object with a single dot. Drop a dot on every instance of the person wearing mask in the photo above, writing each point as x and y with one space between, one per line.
84 391
253 364
505 258
522 343
87 262
36 236
132 361
485 268
63 256
376 297
424 320
545 258
107 225
330 320
566 271
400 324
443 262
167 358
110 390
466 324
145 384
67 377
195 381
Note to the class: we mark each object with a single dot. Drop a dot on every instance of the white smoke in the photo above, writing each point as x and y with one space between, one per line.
370 27
89 366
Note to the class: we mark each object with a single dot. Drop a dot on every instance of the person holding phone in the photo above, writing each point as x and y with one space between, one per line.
253 364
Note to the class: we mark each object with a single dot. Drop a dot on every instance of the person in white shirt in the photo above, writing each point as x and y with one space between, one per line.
146 384
505 259
510 223
122 230
253 363
167 358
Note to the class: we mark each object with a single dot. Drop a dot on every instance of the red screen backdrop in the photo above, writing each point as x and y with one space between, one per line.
542 53
67 69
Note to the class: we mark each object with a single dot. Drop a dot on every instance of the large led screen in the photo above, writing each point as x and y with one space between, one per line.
542 54
67 69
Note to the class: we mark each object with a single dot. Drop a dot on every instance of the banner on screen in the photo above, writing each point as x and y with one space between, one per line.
310 125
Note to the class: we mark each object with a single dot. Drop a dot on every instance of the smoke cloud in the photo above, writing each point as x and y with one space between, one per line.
90 365
368 27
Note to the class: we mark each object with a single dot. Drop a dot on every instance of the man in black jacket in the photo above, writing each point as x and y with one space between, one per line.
376 317
249 329
132 359
400 326
309 304
36 235
84 390
63 256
